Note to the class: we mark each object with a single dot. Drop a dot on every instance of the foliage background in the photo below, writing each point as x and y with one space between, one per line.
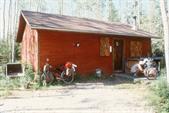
147 12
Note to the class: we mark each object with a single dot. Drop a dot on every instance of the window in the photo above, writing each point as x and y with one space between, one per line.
135 48
104 47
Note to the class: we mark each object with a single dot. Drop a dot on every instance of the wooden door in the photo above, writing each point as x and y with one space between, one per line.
118 55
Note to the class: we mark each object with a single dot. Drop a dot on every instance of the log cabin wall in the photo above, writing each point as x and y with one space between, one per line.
142 48
61 47
138 47
129 59
147 50
95 41
29 47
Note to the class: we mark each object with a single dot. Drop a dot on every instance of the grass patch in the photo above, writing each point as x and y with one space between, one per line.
7 84
159 94
4 93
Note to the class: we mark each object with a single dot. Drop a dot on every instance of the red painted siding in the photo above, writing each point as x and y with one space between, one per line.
146 46
60 47
29 47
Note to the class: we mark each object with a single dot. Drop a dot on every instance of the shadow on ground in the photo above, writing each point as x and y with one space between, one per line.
114 79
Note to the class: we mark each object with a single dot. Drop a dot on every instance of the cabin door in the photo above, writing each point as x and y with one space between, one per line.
118 55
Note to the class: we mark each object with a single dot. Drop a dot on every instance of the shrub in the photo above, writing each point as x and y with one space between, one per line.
160 95
13 83
158 47
10 83
29 77
29 74
7 84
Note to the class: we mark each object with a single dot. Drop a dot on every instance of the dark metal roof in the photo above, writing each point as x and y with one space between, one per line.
46 21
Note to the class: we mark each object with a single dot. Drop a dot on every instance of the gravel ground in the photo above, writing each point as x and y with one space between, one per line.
96 97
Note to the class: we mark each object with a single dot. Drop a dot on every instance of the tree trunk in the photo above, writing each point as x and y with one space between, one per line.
9 31
39 5
30 4
15 22
4 28
151 15
98 10
110 3
138 13
61 7
166 35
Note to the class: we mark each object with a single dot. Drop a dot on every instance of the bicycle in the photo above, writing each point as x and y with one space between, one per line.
64 73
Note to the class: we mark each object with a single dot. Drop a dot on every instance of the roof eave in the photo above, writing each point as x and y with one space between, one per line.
93 32
21 27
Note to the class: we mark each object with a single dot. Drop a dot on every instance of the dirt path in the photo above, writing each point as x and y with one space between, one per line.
79 98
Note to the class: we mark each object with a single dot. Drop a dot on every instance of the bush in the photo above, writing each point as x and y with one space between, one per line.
17 51
158 48
17 82
29 74
11 83
160 95
5 50
29 77
7 84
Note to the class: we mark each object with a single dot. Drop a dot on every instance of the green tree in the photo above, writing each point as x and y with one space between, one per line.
4 49
113 16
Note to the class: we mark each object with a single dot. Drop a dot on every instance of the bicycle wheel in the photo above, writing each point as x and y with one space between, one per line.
43 80
151 77
67 78
150 74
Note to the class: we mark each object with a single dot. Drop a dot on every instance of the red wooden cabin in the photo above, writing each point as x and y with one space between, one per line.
88 43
